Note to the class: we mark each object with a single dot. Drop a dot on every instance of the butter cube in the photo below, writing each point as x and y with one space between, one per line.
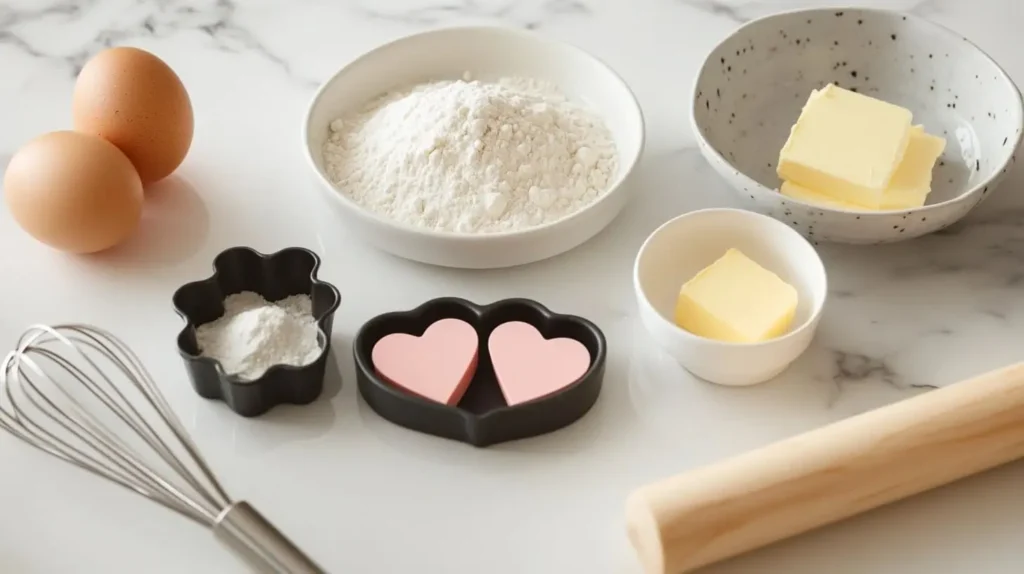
736 300
797 191
909 187
912 181
846 145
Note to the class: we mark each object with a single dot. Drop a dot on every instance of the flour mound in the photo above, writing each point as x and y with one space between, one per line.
472 156
254 335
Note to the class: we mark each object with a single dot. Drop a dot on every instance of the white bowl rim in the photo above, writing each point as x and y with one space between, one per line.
949 32
626 164
791 334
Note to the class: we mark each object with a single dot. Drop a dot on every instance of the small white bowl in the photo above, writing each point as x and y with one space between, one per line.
751 88
486 53
682 247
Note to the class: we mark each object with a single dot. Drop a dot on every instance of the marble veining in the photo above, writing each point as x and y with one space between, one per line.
529 15
901 319
144 19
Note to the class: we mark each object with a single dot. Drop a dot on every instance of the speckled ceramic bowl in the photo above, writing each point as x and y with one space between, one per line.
750 91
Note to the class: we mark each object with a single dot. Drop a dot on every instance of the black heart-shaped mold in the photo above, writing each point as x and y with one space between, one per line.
482 417
290 271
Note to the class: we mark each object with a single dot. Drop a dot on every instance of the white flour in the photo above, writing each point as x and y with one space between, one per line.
254 334
471 156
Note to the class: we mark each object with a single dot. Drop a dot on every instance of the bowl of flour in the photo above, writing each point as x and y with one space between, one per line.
474 147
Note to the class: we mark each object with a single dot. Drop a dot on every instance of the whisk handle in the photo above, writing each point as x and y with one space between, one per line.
251 537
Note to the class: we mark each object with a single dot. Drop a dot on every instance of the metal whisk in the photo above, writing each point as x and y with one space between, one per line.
80 394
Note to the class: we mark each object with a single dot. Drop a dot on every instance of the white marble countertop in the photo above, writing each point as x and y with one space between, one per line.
364 496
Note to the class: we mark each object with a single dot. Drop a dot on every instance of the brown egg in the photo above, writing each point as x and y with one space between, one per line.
75 192
136 101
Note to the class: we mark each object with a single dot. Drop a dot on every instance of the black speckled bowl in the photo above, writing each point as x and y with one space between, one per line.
750 90
288 272
482 417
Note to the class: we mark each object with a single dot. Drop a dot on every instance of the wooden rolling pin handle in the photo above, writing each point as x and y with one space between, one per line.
822 476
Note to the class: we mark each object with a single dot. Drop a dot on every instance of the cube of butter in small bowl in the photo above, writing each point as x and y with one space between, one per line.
734 296
734 299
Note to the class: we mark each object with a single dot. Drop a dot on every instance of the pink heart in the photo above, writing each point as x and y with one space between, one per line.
529 367
437 366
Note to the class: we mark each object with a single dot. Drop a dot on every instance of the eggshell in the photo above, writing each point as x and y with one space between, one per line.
136 101
75 192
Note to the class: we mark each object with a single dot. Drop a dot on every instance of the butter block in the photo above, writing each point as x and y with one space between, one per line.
797 191
912 181
736 300
904 200
847 145
910 185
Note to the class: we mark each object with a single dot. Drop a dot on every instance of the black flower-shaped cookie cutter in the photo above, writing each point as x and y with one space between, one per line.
274 276
482 416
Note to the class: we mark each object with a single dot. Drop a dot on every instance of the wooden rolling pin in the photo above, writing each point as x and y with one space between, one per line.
825 475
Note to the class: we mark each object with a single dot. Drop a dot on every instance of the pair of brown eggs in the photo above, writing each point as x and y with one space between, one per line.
81 191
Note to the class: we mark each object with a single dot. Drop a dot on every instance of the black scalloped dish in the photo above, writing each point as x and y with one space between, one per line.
481 417
274 276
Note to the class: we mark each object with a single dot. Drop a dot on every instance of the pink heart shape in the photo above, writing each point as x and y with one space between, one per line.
529 367
437 365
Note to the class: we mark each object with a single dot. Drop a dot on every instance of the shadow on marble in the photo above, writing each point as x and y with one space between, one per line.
674 406
664 185
282 425
174 225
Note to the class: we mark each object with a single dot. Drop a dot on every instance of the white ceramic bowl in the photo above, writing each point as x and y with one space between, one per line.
679 249
752 86
486 53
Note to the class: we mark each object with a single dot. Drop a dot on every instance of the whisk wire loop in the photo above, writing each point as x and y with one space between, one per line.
129 414
101 445
81 395
59 423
